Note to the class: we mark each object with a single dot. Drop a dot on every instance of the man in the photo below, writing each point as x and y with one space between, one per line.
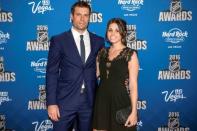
71 72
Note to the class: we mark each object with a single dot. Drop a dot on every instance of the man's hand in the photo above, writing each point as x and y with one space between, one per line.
53 112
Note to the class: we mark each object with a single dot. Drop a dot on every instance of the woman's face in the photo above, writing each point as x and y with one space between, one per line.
113 33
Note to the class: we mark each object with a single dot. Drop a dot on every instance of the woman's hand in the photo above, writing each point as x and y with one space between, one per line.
131 120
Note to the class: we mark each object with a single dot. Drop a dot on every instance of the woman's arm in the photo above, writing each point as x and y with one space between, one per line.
97 67
133 67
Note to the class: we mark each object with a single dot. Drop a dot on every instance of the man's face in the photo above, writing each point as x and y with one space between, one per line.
80 18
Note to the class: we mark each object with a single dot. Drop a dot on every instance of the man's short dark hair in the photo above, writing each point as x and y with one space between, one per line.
80 4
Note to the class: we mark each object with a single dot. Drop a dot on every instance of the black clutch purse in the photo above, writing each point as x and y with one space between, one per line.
122 115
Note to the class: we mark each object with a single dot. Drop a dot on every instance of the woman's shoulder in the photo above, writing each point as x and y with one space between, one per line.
104 50
129 52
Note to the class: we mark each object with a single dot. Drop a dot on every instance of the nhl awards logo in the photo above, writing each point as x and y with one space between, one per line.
40 103
6 76
5 16
175 6
3 124
174 71
95 17
176 13
173 123
88 1
1 65
132 41
41 7
42 93
141 104
42 42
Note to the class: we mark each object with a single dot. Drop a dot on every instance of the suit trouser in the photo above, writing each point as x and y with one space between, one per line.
81 117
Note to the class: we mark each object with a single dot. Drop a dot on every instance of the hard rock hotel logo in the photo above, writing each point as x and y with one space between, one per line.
132 40
173 123
176 13
41 7
6 76
139 125
174 72
40 103
5 16
42 43
4 37
130 6
174 36
39 66
45 125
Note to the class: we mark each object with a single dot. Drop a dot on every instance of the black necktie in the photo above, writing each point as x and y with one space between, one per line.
82 46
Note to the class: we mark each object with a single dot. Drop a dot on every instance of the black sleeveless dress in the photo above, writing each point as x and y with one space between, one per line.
112 93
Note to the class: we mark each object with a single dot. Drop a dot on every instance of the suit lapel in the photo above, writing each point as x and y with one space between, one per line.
92 48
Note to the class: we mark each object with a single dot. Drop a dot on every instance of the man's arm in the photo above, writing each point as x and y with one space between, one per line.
52 74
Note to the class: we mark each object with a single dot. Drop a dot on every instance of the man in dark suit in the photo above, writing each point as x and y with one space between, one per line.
71 72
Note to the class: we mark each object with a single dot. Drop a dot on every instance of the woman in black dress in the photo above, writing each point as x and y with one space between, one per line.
114 66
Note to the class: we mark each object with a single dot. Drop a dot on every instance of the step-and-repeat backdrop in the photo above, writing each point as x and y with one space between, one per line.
163 32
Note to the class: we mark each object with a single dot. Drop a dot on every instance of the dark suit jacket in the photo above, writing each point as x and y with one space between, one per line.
66 71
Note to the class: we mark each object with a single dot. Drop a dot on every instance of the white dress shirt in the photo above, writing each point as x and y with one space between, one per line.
86 39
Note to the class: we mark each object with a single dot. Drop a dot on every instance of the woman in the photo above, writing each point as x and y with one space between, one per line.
114 66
